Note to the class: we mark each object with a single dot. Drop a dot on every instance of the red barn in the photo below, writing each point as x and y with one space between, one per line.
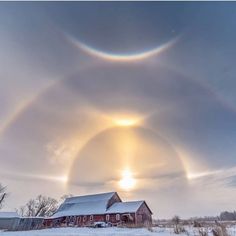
105 207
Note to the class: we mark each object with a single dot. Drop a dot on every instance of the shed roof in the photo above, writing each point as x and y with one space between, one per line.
8 214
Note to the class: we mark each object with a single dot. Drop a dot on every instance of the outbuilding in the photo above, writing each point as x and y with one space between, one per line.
9 220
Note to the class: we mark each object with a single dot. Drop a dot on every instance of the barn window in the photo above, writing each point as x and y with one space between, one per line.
107 217
117 216
84 218
91 218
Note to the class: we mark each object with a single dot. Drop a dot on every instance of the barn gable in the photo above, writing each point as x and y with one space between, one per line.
115 198
143 215
146 206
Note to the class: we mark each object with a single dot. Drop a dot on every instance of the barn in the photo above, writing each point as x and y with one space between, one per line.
90 210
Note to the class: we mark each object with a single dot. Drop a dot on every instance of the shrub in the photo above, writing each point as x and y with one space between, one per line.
220 230
203 232
179 229
196 224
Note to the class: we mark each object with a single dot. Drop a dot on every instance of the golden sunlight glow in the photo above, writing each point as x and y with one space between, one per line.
63 179
125 119
126 122
127 182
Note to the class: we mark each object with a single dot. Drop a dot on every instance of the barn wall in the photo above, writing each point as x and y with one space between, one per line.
102 218
86 221
112 219
143 215
83 220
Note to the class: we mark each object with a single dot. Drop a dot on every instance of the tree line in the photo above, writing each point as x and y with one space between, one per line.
44 206
227 215
41 206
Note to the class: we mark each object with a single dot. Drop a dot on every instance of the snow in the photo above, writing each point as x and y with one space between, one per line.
113 231
123 207
8 215
95 205
89 232
84 205
98 207
90 198
84 208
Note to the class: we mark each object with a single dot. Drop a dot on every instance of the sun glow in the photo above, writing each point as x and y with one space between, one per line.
126 122
63 179
127 182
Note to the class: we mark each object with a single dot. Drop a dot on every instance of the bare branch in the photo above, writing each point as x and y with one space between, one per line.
3 195
40 206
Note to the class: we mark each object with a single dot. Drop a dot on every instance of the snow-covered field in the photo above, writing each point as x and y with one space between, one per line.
90 231
111 232
79 232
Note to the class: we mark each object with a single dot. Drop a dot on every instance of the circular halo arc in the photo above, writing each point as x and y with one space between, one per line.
71 179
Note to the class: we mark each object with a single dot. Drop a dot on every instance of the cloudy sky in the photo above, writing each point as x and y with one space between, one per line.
137 98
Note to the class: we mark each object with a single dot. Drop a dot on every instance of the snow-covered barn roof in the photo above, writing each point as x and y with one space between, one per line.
127 207
8 215
95 204
124 207
85 208
84 205
89 198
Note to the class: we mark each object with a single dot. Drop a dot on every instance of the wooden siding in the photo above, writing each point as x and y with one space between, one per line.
143 215
82 220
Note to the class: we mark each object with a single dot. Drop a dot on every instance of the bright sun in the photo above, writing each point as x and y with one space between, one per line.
127 182
126 122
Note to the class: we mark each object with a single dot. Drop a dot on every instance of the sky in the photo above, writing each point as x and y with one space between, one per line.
132 97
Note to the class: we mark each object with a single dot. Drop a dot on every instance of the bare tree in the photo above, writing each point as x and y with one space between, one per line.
21 211
176 220
3 195
40 206
178 229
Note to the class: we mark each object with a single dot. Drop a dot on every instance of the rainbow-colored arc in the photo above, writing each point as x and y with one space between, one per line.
127 57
